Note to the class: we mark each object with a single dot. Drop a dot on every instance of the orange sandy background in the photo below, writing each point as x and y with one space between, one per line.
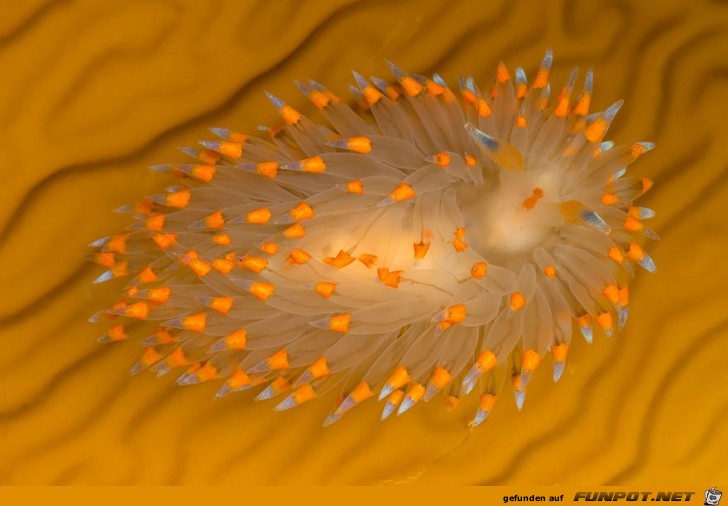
92 92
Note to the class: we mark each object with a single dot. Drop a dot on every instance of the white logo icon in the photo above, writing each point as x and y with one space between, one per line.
712 496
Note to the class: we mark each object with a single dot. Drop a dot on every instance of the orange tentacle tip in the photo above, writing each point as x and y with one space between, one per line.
138 310
452 402
441 159
160 294
220 304
236 340
319 368
302 211
295 231
304 393
237 381
371 95
268 169
401 192
149 357
368 259
313 164
146 276
355 186
179 199
207 372
116 333
196 322
479 269
278 361
325 288
255 264
361 392
298 257
340 323
421 249
452 314
440 377
258 216
559 352
550 271
399 377
360 144
215 220
262 290
233 150
223 265
165 241
531 360
116 244
487 401
611 292
269 248
517 301
459 245
222 239
155 223
341 260
176 358
389 278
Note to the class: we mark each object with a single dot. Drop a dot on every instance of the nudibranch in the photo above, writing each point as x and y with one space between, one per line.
441 239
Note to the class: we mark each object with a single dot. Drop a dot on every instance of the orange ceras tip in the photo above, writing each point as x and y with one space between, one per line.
304 393
295 231
215 220
325 288
268 169
279 360
452 402
479 269
517 301
351 236
298 257
340 323
399 377
236 340
367 259
116 333
277 386
550 271
314 164
421 249
319 368
302 211
355 186
255 264
341 260
360 144
485 406
165 241
440 378
401 192
222 239
415 392
269 248
262 290
559 353
258 216
178 199
221 304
